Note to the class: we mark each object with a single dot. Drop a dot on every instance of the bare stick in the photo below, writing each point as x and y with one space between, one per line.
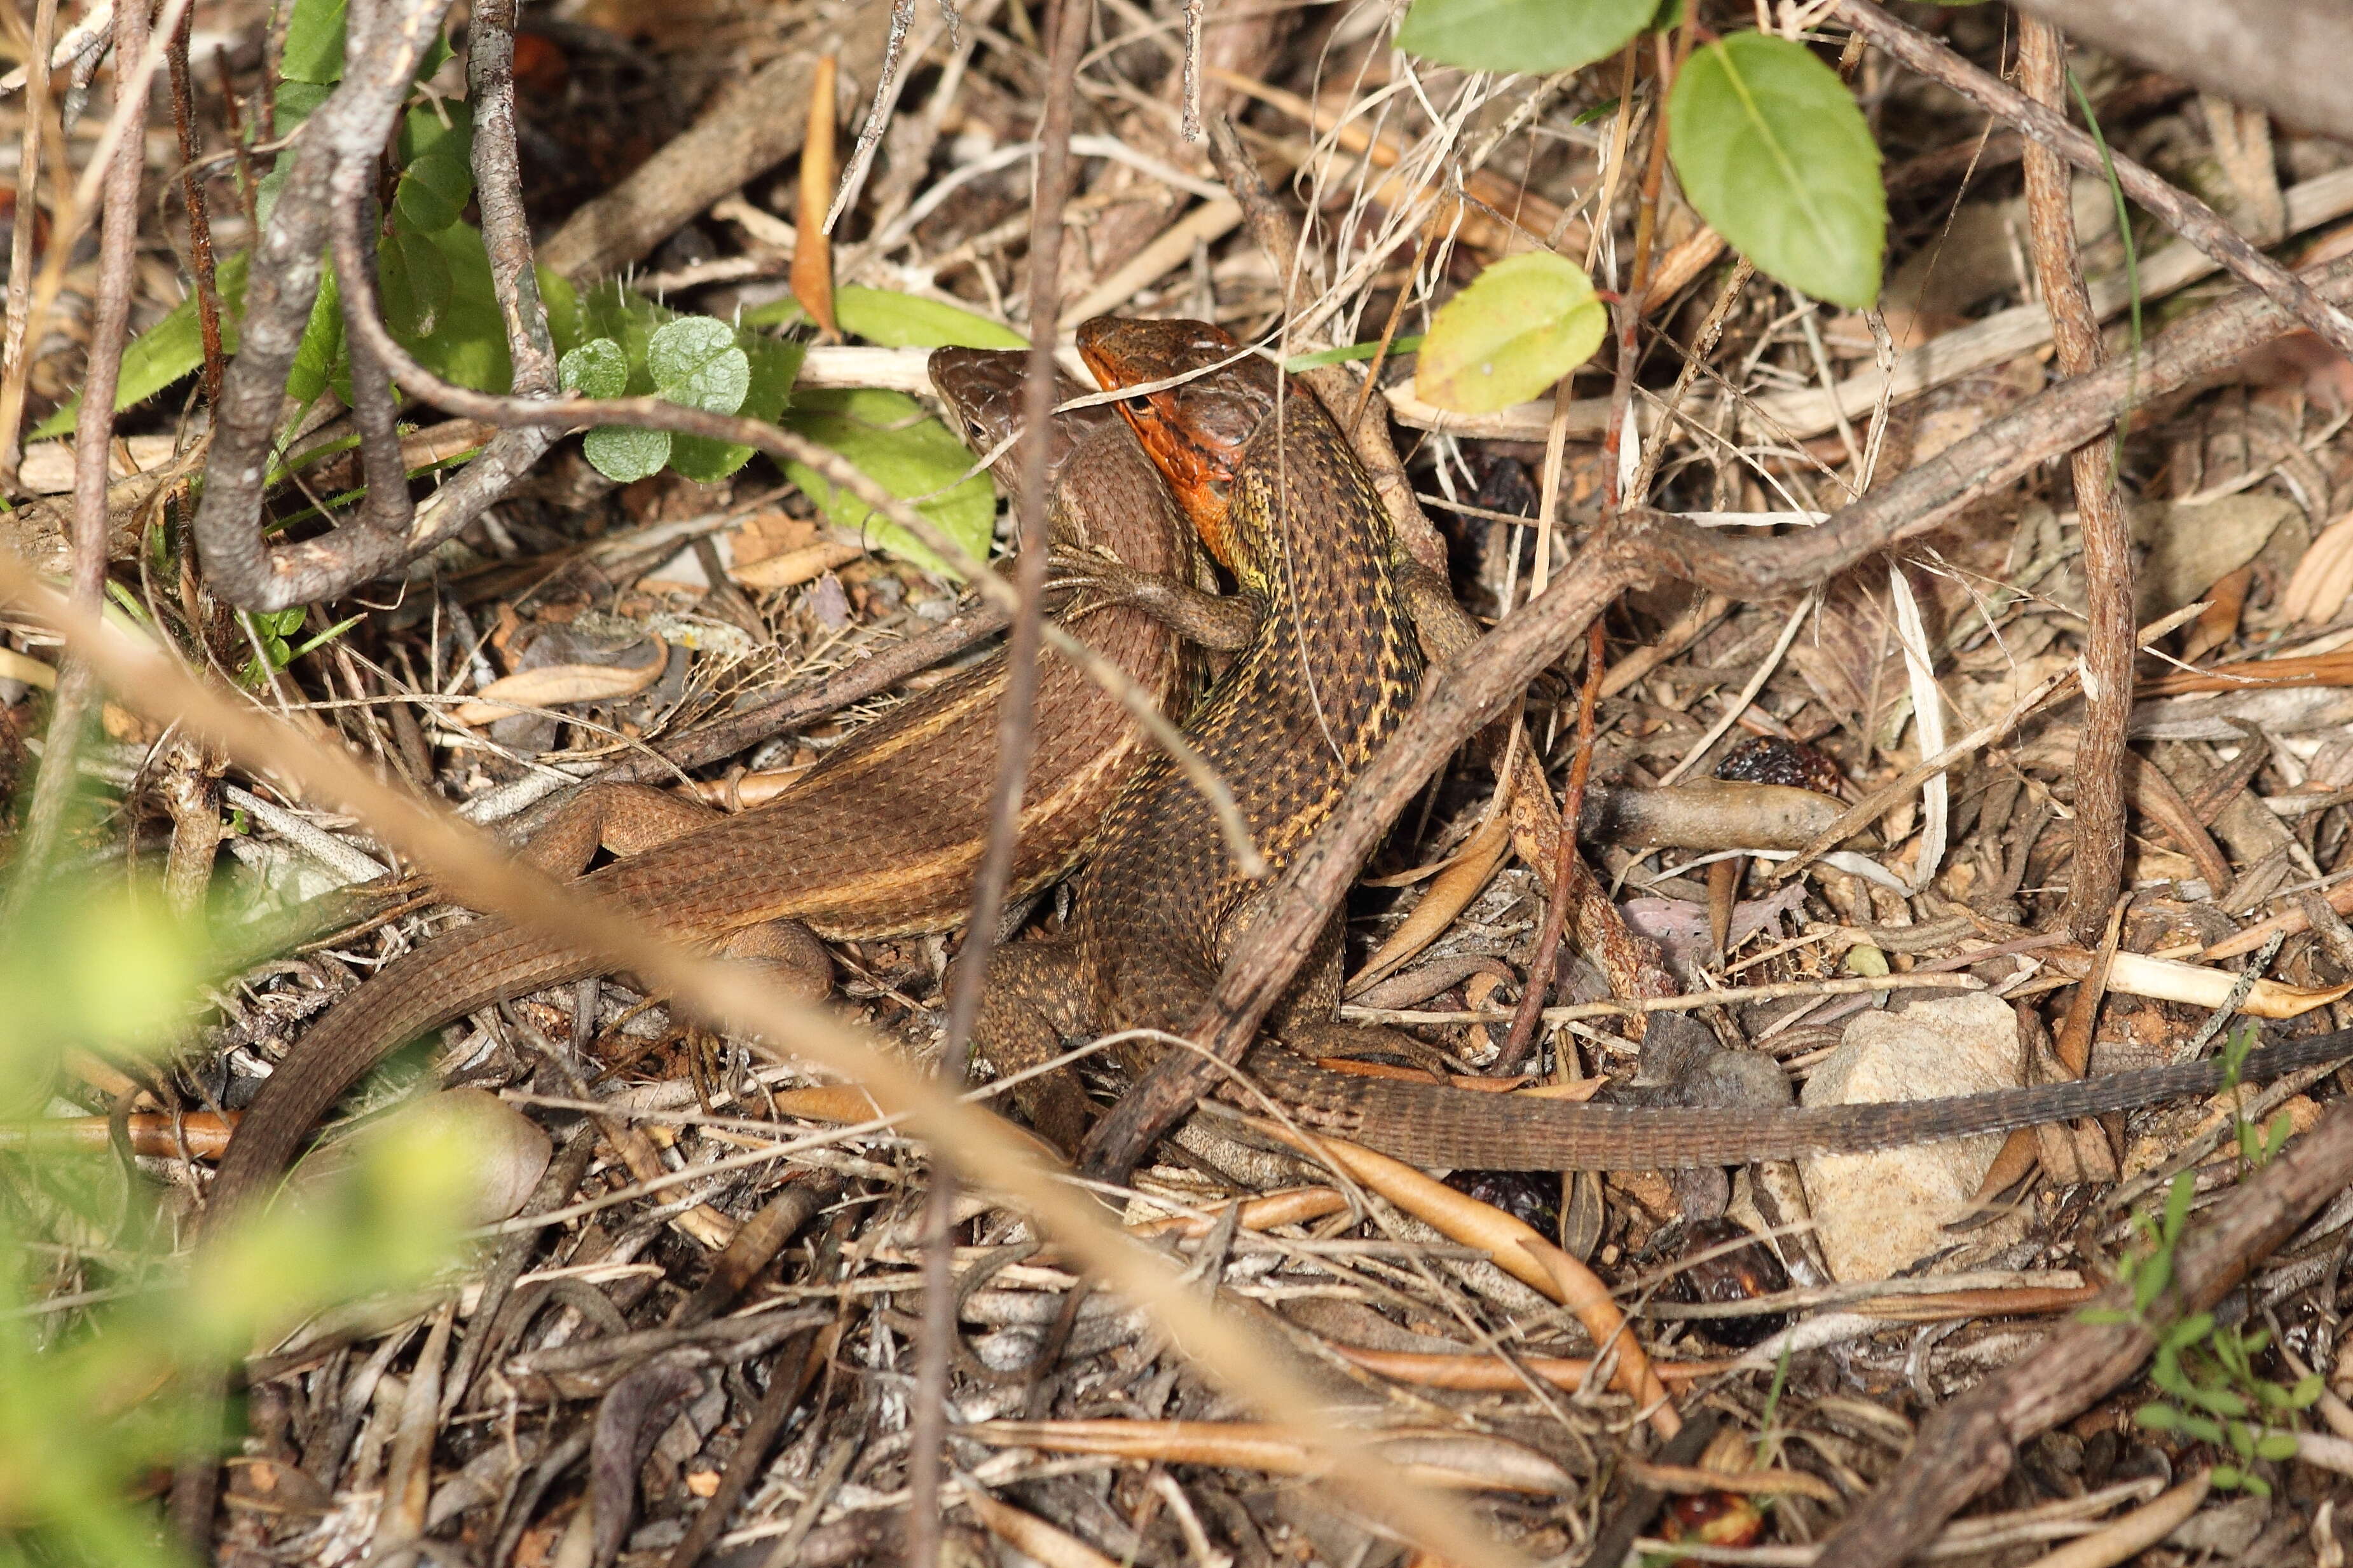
20 243
200 222
109 326
2109 644
2181 212
1066 39
285 271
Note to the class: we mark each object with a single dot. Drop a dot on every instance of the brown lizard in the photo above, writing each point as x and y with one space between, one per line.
1325 680
879 838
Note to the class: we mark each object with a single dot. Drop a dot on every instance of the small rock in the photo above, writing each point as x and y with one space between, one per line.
1877 1213
2226 1532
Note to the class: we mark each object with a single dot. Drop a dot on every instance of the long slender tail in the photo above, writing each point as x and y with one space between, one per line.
1432 1125
444 979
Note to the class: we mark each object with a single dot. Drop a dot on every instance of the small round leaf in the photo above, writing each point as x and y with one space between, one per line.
694 361
598 368
623 453
1521 325
1772 151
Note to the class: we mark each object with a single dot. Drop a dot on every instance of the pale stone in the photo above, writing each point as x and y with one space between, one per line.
1878 1212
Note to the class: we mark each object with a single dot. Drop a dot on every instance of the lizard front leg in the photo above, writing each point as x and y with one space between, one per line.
1036 1000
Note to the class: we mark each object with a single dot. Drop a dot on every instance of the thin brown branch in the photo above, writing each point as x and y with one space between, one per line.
13 348
2109 644
1066 40
200 222
2176 208
109 328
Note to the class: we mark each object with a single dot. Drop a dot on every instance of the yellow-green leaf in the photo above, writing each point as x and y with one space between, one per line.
1521 325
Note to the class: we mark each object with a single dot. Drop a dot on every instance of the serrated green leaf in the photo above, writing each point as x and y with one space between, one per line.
623 453
436 178
694 361
1521 34
598 368
1521 325
417 283
1772 151
886 436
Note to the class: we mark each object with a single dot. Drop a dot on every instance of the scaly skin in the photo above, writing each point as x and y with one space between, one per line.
880 838
1321 685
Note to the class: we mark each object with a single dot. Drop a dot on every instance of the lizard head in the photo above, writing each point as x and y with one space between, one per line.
984 389
1195 428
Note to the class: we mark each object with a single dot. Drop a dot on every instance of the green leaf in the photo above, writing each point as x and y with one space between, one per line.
896 321
436 177
318 358
295 102
418 285
623 453
171 350
695 361
598 368
886 434
468 344
1348 352
1521 34
909 321
1521 325
2156 1417
1772 151
315 44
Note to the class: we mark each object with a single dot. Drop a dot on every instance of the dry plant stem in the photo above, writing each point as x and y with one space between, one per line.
13 348
2184 213
927 1420
1520 1039
134 77
200 222
349 128
1638 547
1969 1444
498 188
2259 52
2109 644
109 326
472 867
